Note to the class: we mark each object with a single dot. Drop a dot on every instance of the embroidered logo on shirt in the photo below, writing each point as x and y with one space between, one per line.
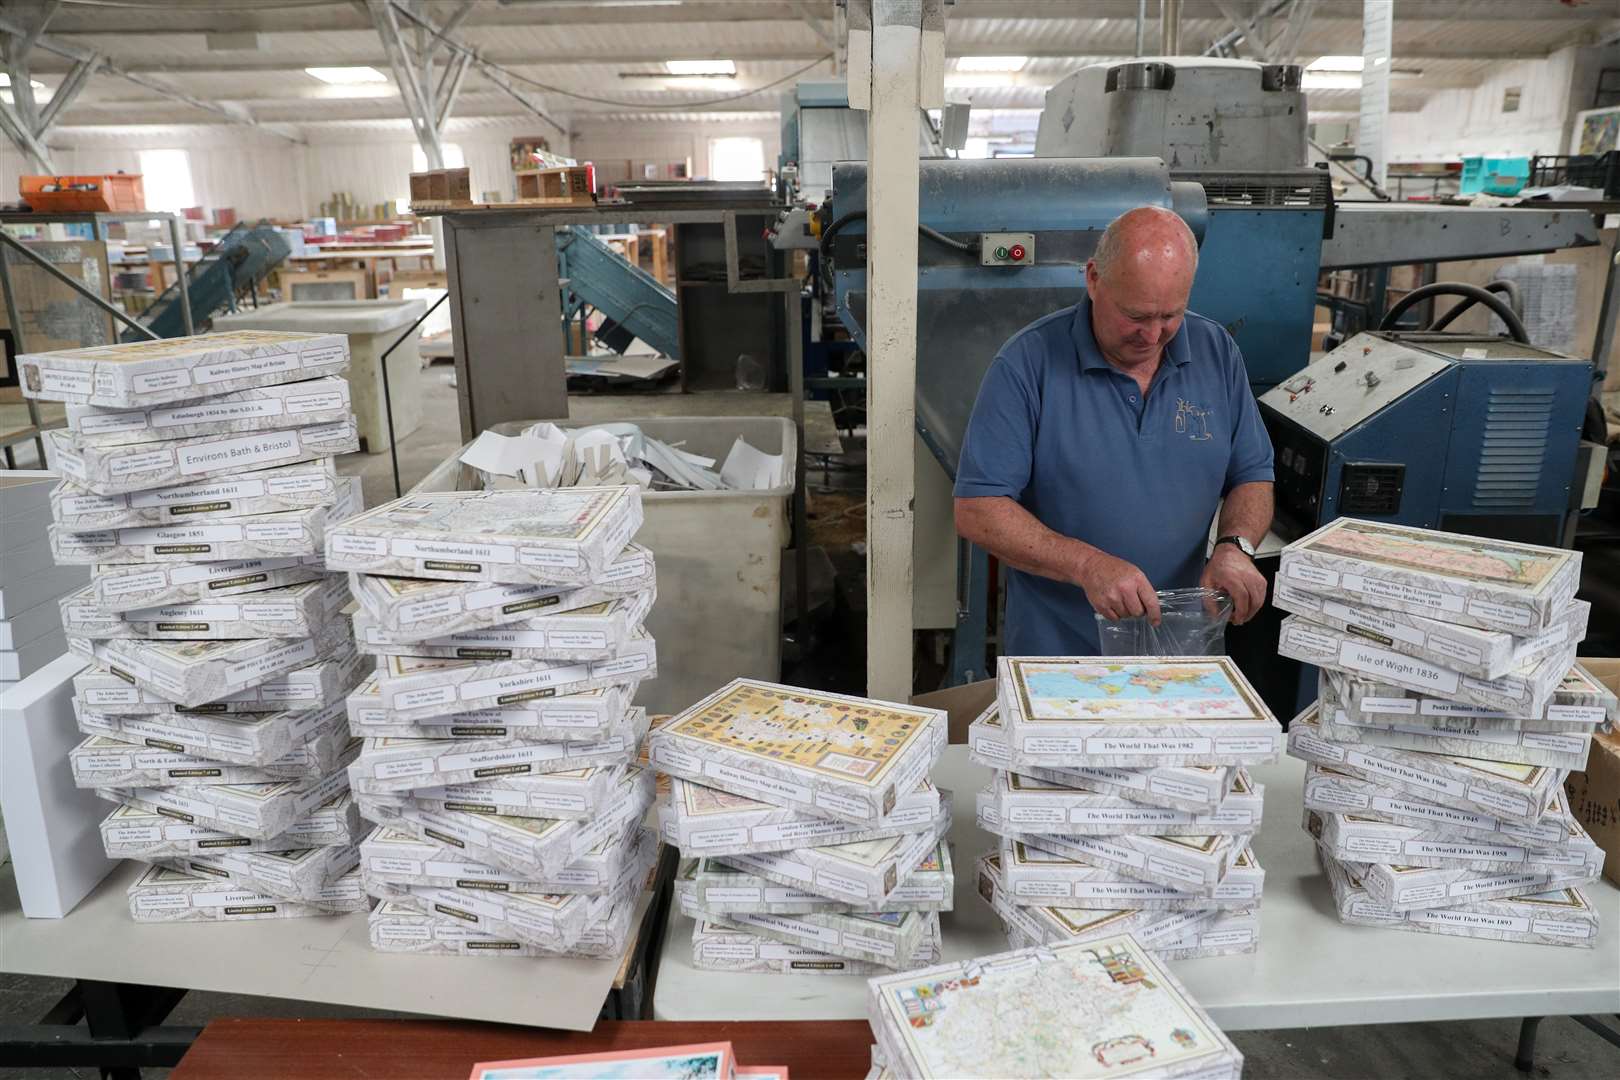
1192 421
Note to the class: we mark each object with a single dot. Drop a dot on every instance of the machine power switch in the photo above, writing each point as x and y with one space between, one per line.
1006 249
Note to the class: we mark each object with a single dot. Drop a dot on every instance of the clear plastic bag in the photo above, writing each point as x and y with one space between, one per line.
1192 622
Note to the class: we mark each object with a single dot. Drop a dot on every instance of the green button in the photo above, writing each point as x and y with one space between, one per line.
1001 253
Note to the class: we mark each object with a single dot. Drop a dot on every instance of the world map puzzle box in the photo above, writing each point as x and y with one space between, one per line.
863 874
1028 804
1132 711
720 888
1330 790
1349 838
1580 704
1194 864
719 946
1034 876
703 820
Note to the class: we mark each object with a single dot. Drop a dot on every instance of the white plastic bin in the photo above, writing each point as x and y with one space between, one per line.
372 326
719 555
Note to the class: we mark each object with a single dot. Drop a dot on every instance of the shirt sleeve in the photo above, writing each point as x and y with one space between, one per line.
999 448
1251 460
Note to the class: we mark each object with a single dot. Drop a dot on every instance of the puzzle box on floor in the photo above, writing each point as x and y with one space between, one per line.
831 755
556 536
428 609
599 632
266 491
1033 875
1132 711
586 716
264 408
704 820
1031 805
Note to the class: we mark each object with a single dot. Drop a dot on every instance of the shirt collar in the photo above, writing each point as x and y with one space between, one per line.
1090 355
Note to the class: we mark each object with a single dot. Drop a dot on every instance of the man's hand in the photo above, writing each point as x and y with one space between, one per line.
1117 589
1231 570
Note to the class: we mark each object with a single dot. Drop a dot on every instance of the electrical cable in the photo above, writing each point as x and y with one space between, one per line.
1457 288
1506 288
923 230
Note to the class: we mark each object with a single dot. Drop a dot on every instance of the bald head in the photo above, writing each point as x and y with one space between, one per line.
1150 239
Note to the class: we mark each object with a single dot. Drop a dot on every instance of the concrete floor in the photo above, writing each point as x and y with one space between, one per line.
1481 1049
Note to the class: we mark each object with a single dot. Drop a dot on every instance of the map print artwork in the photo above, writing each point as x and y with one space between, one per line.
1077 690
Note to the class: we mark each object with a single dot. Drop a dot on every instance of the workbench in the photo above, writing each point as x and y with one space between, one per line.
1310 970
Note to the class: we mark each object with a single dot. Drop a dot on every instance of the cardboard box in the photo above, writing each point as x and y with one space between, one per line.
257 811
1594 793
1483 654
1065 926
1027 804
423 609
400 928
1349 838
136 832
1194 864
599 632
118 470
1514 793
1526 692
266 408
531 847
556 536
863 875
309 687
1131 1000
165 895
1132 711
1492 584
1579 704
193 673
827 754
553 922
1035 877
416 688
715 886
267 491
293 534
703 820
587 716
886 938
718 946
1412 888
1564 917
396 859
1330 790
137 374
103 761
301 874
127 588
401 765
292 611
1195 788
1229 933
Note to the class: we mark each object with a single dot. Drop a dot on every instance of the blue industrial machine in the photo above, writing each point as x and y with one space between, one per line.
240 260
636 303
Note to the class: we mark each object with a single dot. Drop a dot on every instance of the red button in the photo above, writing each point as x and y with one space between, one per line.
1017 253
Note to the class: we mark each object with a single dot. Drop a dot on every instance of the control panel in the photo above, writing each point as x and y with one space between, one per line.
1007 249
1352 383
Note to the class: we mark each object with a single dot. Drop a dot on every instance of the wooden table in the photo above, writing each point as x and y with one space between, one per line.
439 1049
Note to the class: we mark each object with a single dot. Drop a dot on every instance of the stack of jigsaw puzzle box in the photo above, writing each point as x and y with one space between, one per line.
1123 801
812 839
1450 709
500 742
200 485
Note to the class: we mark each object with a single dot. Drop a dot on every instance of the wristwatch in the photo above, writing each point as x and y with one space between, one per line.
1239 542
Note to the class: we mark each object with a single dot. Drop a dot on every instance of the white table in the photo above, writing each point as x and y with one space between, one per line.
1311 970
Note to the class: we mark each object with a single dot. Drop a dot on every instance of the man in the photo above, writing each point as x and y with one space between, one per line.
1103 439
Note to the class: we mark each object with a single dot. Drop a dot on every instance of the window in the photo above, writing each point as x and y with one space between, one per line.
453 158
736 159
1511 97
166 177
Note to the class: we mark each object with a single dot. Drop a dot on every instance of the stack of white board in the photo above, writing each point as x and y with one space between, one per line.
199 485
499 736
1450 709
30 620
1121 795
812 838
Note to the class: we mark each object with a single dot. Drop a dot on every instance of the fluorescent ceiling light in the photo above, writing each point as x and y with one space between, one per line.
991 63
701 67
346 76
1331 80
1336 63
981 80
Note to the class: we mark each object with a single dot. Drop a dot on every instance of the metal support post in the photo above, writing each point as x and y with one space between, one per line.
1377 35
18 348
180 274
1141 27
895 66
1169 27
1608 315
793 298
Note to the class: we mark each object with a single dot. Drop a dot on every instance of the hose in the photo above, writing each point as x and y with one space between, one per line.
1507 288
1457 288
923 230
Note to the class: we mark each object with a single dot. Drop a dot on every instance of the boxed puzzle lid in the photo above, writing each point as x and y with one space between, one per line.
1132 711
598 632
585 716
834 756
163 894
128 587
394 858
298 874
718 887
705 820
544 920
132 375
1351 837
291 534
558 536
310 686
743 950
399 928
1491 584
263 408
106 761
1556 749
1580 703
1194 864
1034 876
137 832
1332 790
1030 804
889 938
265 491
291 611
995 1015
1408 888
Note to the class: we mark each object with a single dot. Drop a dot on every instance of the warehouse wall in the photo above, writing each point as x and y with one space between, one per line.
620 151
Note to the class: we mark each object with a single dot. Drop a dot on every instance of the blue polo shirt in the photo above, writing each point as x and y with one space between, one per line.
1070 438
